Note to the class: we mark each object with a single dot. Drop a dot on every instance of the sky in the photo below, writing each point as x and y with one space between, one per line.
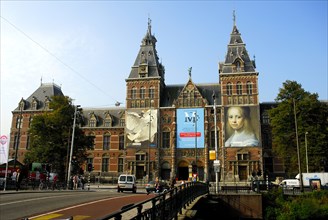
89 47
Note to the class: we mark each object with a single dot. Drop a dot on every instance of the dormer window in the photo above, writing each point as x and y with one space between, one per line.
108 120
34 103
93 120
46 103
21 105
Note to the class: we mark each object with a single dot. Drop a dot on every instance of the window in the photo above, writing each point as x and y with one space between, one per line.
122 122
140 157
265 118
151 92
238 66
166 138
104 164
19 121
249 88
142 92
229 89
16 141
92 123
134 93
243 156
239 88
28 142
106 142
120 164
121 142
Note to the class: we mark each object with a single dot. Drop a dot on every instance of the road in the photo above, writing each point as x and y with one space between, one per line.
45 205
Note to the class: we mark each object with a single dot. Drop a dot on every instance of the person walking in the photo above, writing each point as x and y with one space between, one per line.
19 178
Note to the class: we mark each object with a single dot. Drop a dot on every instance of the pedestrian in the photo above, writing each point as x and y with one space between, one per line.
54 183
172 184
75 181
19 178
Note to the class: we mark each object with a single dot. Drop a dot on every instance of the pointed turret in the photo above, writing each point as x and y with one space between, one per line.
237 59
146 63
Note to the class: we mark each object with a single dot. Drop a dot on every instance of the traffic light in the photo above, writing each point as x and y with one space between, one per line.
89 167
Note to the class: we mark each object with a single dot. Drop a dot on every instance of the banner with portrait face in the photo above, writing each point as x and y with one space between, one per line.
141 127
4 149
242 126
190 128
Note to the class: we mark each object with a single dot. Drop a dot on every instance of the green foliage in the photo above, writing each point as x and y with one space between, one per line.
311 117
50 137
312 205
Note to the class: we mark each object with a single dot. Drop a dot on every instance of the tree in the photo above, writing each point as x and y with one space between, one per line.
311 117
50 136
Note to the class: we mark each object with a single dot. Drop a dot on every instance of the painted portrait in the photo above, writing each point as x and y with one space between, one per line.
241 126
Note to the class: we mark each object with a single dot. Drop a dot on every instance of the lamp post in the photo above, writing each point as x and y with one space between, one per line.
20 124
298 149
196 143
216 145
306 153
148 158
71 152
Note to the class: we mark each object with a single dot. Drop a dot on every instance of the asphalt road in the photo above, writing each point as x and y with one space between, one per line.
64 204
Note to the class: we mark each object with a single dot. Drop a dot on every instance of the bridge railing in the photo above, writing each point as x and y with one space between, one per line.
164 206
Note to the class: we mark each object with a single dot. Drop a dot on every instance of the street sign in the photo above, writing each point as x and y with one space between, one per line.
217 164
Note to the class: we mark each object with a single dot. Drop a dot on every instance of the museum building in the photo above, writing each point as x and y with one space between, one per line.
173 131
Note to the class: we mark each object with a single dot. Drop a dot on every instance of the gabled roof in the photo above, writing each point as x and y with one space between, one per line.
43 93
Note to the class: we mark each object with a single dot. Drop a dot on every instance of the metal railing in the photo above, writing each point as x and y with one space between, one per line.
165 206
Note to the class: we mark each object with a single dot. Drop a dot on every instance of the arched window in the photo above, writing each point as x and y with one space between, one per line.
142 92
134 93
166 138
106 141
239 88
105 163
229 88
151 92
249 88
121 142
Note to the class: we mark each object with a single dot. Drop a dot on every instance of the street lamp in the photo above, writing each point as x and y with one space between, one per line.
148 164
216 146
71 152
195 120
20 124
298 149
306 153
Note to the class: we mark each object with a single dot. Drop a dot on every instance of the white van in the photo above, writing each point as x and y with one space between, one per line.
127 182
290 183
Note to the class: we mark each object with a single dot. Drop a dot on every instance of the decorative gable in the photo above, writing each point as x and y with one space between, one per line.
190 97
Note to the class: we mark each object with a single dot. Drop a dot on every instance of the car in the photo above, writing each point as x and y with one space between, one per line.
150 186
127 182
262 185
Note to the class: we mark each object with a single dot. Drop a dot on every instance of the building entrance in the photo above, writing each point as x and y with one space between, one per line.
183 173
140 173
242 172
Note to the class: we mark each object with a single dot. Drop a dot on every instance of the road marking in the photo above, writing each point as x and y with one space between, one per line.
47 217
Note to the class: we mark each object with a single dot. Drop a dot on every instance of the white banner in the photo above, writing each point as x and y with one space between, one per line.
4 149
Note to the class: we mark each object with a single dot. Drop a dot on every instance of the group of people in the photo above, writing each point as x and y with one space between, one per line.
78 181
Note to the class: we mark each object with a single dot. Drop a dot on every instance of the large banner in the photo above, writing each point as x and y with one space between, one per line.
190 128
141 127
241 126
4 149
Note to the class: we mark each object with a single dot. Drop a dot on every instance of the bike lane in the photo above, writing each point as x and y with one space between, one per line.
95 209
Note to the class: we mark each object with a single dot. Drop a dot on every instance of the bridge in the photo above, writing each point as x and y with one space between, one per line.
239 201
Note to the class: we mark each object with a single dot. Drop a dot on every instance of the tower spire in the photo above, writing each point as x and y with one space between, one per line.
234 17
149 26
